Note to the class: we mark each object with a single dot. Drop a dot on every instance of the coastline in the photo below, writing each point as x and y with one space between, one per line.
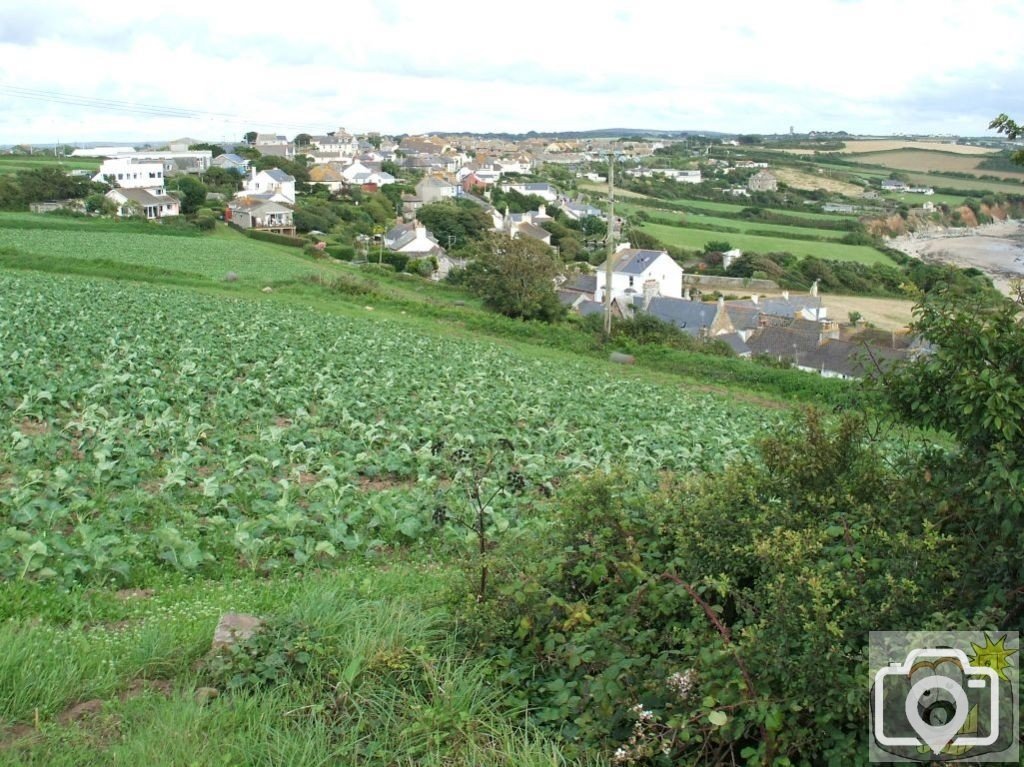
997 249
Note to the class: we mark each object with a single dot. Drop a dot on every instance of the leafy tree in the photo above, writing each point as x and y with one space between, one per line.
388 166
971 386
1003 124
303 139
717 246
216 149
516 278
460 222
193 193
250 137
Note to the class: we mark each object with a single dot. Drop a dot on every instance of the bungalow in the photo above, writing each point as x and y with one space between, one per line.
631 270
150 203
260 214
581 210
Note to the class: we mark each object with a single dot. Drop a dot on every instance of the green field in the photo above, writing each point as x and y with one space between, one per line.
694 239
15 163
739 226
208 257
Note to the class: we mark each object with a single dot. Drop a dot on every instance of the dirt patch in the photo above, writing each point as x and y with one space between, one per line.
127 594
138 687
18 735
33 428
307 478
282 423
385 482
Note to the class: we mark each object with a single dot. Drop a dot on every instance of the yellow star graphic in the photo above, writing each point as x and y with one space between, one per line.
994 655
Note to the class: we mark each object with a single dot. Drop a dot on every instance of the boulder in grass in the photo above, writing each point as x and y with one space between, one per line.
230 277
234 627
268 289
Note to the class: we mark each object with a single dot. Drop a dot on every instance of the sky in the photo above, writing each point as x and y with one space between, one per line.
212 70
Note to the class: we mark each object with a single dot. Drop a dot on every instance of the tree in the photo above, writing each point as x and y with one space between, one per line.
455 222
250 137
193 193
215 149
303 139
516 278
1003 124
972 386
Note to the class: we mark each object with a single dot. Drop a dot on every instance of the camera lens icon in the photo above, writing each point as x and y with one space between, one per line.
936 706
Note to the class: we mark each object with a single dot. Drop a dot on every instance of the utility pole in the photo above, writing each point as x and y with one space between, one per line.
611 250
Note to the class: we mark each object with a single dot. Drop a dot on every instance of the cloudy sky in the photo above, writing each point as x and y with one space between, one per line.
90 71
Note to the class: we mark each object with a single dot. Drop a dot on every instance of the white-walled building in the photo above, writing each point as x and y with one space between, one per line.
633 269
272 184
131 173
150 203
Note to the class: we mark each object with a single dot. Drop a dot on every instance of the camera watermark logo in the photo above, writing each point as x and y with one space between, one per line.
944 696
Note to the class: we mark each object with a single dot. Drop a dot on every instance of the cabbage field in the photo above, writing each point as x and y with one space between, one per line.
156 428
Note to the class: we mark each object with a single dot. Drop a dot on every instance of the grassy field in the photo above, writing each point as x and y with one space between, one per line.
176 453
14 163
740 226
694 239
208 257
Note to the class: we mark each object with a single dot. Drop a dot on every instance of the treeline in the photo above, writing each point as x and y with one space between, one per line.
794 273
19 190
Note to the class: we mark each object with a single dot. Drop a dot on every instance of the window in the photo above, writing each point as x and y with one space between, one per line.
630 281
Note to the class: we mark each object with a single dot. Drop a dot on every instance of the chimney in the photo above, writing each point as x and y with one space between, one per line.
650 291
622 246
785 295
753 299
542 210
421 231
686 294
814 288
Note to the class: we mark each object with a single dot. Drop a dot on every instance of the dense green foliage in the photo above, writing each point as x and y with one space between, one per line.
42 184
515 277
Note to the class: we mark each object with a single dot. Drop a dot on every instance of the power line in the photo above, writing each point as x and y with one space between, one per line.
129 107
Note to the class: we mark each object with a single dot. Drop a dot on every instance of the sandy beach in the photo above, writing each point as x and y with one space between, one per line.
996 249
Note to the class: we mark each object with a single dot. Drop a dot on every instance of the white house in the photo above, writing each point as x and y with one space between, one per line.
151 203
633 269
540 189
431 189
413 239
273 184
131 173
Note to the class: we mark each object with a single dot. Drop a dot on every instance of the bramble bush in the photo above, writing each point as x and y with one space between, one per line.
721 619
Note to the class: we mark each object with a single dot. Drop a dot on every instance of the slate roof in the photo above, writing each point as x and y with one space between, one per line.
144 197
253 204
782 342
634 261
582 283
279 175
781 307
689 316
586 308
735 342
533 231
229 157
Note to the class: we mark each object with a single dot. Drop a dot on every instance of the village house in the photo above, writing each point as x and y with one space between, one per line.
232 162
131 173
527 224
763 181
632 268
150 203
433 189
262 215
543 190
273 185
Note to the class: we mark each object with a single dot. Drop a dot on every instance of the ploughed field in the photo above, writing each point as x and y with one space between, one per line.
154 428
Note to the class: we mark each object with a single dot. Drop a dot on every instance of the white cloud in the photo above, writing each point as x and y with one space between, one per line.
403 66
